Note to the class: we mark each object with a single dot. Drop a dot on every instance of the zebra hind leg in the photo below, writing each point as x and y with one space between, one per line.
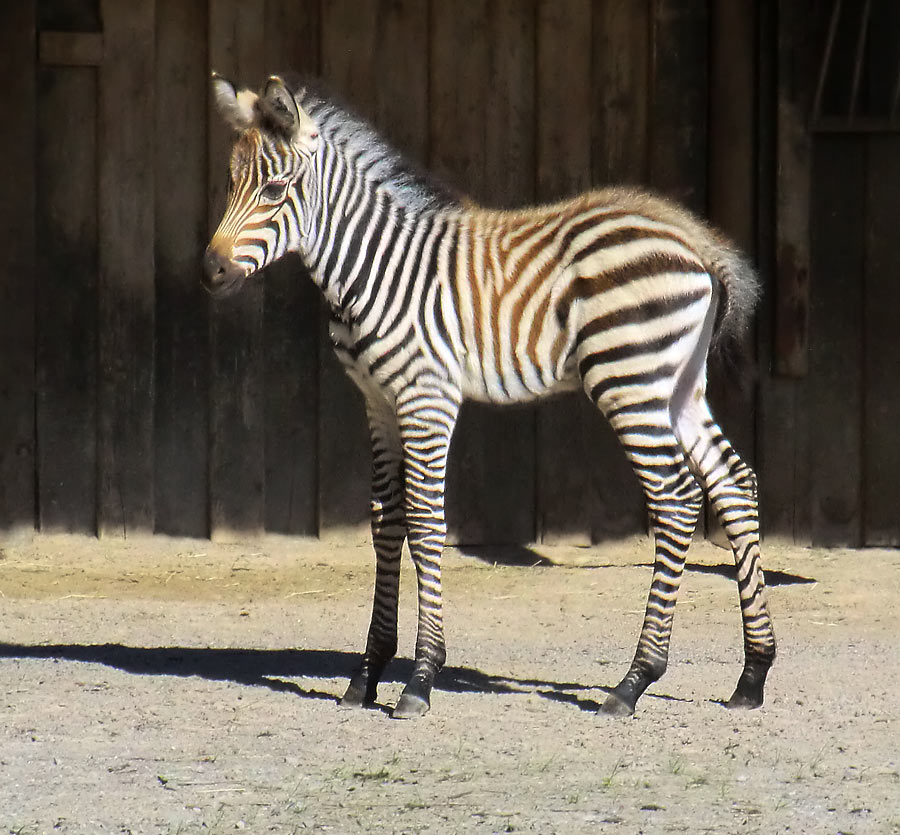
731 488
674 499
388 533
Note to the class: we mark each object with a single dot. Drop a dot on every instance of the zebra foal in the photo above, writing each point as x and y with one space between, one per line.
434 299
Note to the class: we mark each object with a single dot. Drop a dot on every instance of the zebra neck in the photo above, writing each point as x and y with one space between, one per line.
360 227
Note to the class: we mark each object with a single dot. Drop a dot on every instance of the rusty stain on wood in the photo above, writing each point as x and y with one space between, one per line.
792 311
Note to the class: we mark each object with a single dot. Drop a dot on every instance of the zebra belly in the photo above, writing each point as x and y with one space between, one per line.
509 385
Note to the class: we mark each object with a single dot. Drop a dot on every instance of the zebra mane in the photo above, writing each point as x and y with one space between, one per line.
357 139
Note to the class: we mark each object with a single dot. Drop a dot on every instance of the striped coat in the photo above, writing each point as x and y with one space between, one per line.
435 300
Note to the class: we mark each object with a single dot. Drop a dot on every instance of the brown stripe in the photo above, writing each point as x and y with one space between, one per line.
497 262
476 297
523 300
539 316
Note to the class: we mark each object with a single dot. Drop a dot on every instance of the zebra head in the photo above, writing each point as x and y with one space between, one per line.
268 176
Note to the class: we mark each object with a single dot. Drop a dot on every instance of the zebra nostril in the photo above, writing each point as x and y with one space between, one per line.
216 266
220 273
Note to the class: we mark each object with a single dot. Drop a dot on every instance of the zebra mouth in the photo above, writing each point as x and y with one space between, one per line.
223 287
221 275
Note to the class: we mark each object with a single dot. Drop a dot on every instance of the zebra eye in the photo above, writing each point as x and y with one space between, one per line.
274 190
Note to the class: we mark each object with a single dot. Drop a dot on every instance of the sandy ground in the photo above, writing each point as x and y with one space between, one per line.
171 686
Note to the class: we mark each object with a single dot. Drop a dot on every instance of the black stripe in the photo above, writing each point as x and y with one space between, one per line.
641 312
629 350
364 260
642 379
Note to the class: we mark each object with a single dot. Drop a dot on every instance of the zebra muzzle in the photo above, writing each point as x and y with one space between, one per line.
220 273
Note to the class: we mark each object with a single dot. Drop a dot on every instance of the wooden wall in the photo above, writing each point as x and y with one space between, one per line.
133 402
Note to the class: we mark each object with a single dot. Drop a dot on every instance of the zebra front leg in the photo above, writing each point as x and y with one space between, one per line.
388 533
426 425
674 500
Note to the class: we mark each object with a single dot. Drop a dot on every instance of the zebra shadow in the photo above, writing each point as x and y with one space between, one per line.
275 669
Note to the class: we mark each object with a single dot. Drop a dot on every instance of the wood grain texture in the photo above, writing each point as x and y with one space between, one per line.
798 43
836 318
375 56
781 442
70 49
291 321
621 61
127 271
678 101
181 415
732 177
563 164
66 298
17 254
585 487
482 140
881 376
237 465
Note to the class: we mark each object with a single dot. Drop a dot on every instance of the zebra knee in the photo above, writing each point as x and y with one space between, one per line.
746 481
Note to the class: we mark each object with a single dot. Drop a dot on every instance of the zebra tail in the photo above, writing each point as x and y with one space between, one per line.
732 346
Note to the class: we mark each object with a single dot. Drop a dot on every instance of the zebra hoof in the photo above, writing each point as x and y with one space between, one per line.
410 707
749 691
356 697
744 701
614 706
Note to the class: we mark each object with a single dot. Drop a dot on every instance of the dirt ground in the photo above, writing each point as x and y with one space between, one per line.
177 686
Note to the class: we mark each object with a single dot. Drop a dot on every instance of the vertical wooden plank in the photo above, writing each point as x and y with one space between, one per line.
882 347
621 93
67 266
482 138
17 219
596 102
237 424
732 200
621 69
457 146
835 387
776 412
374 53
458 93
348 64
126 286
291 321
787 34
796 76
510 115
679 96
563 164
564 98
679 101
181 494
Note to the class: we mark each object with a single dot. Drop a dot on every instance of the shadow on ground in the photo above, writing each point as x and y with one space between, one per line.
274 669
773 578
523 556
514 555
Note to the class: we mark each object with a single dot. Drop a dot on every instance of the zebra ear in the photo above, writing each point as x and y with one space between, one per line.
282 106
237 107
